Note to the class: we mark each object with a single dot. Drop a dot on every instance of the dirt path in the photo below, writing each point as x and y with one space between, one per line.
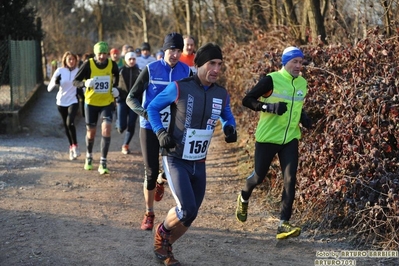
52 212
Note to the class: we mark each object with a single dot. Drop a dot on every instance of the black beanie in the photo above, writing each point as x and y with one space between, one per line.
146 46
207 52
173 40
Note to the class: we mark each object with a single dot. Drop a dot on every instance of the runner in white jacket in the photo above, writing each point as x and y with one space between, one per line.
67 101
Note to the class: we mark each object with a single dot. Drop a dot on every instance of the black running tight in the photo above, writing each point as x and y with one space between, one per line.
68 115
150 150
288 157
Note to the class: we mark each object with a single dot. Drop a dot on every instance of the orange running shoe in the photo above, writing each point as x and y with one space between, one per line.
148 221
159 190
163 249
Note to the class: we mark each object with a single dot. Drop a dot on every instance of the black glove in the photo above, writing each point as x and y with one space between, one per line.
305 121
165 141
58 79
275 108
230 134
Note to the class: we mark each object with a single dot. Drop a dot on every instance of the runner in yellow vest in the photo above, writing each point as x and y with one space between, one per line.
99 76
279 97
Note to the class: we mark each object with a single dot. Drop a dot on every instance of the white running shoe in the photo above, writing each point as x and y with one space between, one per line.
71 154
125 149
75 151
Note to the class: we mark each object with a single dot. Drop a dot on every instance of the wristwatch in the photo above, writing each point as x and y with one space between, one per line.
264 107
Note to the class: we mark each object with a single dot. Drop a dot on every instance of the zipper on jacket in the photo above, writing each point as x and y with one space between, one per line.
290 114
203 112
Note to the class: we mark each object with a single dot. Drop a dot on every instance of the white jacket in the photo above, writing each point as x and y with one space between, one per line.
66 95
142 62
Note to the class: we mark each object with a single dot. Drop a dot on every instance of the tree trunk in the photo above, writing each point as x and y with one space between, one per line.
98 9
240 9
316 22
257 14
324 8
305 38
230 14
216 19
274 17
188 17
365 21
144 21
336 16
387 18
199 23
292 18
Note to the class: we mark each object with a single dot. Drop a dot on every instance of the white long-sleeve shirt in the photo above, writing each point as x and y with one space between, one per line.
143 61
66 95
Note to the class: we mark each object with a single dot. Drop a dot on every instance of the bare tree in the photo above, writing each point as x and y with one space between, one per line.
240 9
188 16
215 16
316 21
199 24
98 9
293 19
387 18
179 15
64 26
337 26
274 12
257 14
134 21
231 15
